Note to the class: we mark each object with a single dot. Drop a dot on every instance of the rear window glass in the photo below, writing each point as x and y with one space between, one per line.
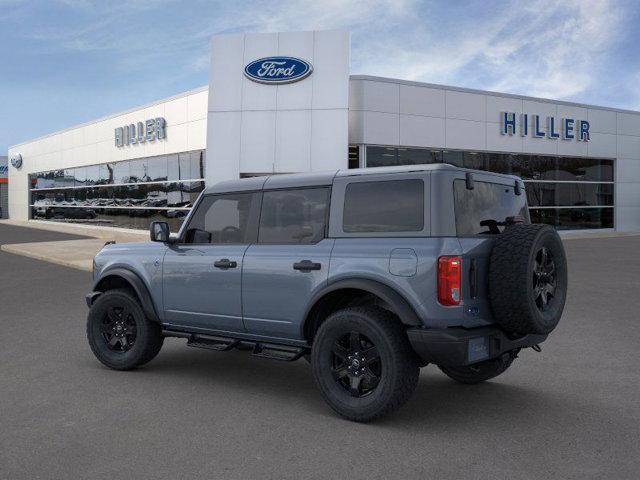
487 201
384 206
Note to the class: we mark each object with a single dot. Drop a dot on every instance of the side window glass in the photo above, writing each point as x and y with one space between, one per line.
229 218
384 206
294 216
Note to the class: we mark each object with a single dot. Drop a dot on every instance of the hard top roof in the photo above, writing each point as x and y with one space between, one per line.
292 180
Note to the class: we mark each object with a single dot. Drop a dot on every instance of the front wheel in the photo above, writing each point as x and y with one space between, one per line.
119 333
363 363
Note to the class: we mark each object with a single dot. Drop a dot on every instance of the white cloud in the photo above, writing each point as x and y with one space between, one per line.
541 48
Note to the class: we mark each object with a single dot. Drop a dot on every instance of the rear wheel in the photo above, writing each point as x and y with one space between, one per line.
119 333
363 364
480 372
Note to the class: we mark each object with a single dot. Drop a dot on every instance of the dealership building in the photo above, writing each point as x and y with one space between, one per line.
286 102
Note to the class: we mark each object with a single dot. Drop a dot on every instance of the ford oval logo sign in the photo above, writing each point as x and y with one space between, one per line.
16 160
278 70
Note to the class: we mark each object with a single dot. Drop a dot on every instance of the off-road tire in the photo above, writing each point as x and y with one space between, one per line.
479 372
148 336
512 279
398 362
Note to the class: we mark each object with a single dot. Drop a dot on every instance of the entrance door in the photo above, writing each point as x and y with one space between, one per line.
289 262
202 274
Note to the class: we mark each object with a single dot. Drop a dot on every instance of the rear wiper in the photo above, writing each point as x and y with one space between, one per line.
494 224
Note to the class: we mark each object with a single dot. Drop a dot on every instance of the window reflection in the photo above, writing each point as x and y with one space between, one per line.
142 192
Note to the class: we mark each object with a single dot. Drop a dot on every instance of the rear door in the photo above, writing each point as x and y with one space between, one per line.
289 262
478 210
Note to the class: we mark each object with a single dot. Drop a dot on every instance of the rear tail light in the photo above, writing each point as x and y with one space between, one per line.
449 279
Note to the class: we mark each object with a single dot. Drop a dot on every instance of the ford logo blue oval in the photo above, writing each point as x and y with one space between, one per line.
278 70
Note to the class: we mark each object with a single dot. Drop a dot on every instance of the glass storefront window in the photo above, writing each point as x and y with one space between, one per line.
567 186
143 191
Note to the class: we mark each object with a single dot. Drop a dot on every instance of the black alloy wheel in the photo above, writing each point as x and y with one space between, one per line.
363 363
544 279
119 333
356 364
119 328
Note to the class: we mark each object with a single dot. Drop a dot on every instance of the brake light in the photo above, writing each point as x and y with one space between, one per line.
449 279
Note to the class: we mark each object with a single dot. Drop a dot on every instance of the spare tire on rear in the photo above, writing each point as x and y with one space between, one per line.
528 279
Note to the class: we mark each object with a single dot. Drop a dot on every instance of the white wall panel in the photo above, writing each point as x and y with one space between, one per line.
628 218
381 128
602 121
356 126
628 146
175 111
293 141
426 101
356 95
196 135
627 170
540 145
465 106
196 106
628 124
223 161
496 105
329 140
572 147
227 51
297 95
257 145
465 134
381 96
330 77
420 131
502 143
543 109
602 145
257 96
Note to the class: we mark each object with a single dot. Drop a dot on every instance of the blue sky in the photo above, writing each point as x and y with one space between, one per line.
64 62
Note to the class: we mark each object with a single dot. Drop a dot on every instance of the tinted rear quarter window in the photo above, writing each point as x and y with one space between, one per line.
487 201
384 206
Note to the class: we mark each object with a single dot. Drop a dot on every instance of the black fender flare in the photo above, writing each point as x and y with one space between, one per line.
138 286
397 302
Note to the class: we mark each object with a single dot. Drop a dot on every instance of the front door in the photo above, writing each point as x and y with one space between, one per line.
202 272
289 262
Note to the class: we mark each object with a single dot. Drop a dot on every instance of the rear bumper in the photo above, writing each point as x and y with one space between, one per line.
455 347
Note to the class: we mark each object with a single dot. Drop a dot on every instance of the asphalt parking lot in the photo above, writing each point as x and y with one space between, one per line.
572 411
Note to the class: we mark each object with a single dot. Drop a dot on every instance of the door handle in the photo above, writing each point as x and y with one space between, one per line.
306 265
225 263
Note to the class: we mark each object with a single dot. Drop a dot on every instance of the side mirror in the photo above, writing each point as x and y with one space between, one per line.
159 232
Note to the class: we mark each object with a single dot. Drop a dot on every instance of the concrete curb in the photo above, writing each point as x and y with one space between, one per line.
85 265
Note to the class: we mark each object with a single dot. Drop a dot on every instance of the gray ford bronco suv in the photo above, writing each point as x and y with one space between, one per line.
369 274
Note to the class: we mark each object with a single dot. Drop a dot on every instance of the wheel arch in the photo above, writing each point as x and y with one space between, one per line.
125 278
395 302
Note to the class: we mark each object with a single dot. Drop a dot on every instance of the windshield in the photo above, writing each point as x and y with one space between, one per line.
487 204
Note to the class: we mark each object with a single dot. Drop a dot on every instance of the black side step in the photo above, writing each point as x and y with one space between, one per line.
274 351
210 342
278 352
